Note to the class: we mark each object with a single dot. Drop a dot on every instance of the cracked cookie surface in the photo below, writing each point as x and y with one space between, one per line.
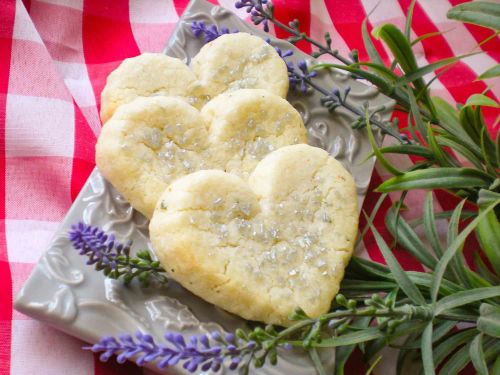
262 247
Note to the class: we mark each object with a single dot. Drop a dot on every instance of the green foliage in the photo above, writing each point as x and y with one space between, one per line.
480 13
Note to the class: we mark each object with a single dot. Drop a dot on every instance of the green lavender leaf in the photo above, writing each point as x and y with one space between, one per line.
408 150
369 46
436 178
482 269
426 350
408 287
457 263
399 46
492 72
409 18
316 360
443 158
376 150
384 86
351 338
465 297
426 36
407 237
343 353
453 248
430 225
450 121
489 320
439 331
477 355
461 148
420 72
482 100
488 233
450 344
480 13
416 114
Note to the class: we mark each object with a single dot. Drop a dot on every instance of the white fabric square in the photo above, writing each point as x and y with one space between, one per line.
164 11
23 26
77 81
27 240
39 349
38 126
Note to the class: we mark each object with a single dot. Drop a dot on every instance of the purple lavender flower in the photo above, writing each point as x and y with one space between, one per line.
299 78
112 257
210 32
256 10
199 352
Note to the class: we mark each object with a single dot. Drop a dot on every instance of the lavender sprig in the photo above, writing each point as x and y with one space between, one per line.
199 352
210 32
257 11
113 258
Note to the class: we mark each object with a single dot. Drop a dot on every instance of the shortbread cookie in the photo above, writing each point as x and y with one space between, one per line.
264 247
240 61
146 75
230 62
152 141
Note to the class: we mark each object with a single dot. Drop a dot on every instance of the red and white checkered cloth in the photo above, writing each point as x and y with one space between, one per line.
54 59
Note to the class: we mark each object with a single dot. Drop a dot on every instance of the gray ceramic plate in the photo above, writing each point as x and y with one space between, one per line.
69 295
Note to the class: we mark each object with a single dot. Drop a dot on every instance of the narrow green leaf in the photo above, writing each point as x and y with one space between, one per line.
439 331
371 218
408 287
426 36
492 72
373 365
474 280
488 150
480 13
378 81
409 18
450 121
488 233
381 69
399 46
497 147
489 320
482 269
407 237
426 350
351 338
453 248
344 352
416 114
495 369
443 158
369 46
458 146
460 359
424 70
457 263
465 297
436 178
376 150
408 150
482 100
448 346
430 225
316 360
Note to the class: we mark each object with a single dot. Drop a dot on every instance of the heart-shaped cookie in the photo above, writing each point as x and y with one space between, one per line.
261 248
150 142
230 62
